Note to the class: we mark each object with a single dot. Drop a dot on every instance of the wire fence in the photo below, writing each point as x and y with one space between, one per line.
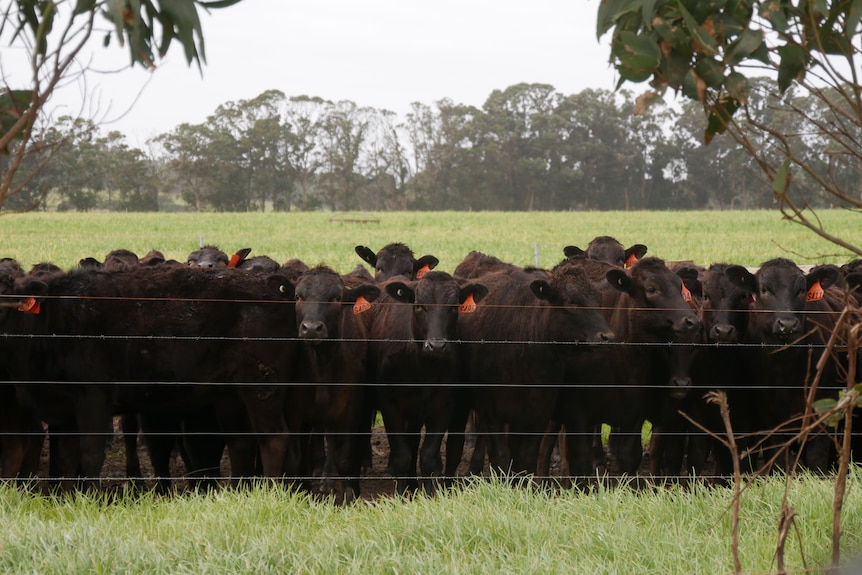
11 340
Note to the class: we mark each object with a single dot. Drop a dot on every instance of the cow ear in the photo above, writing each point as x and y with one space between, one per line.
543 290
369 291
574 252
619 280
242 255
429 261
367 255
90 263
401 291
854 282
638 250
827 275
742 278
690 278
282 285
478 291
34 288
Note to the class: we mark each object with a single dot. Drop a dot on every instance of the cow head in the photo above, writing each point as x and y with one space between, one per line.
436 299
658 304
322 299
778 293
396 260
577 301
725 306
609 250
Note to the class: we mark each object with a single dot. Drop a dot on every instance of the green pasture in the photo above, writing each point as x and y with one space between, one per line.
486 527
744 237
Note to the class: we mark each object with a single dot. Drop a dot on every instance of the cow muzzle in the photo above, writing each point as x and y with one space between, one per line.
785 328
313 331
723 333
679 387
435 346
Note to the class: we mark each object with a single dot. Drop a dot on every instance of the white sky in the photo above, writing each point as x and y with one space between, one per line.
384 54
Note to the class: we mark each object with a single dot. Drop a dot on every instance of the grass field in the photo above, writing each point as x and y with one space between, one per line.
486 527
747 238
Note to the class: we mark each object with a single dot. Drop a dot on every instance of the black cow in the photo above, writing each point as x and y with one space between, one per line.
334 360
21 432
535 318
635 378
789 312
396 260
214 257
609 250
150 324
414 341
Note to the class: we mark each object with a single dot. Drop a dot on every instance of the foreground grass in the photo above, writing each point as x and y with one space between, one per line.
748 238
482 528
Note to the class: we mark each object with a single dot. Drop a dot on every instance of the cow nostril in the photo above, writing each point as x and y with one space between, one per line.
435 345
607 336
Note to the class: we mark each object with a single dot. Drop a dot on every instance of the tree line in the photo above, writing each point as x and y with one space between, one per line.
529 147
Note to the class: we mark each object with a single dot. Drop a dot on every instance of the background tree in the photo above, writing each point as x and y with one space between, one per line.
707 52
53 34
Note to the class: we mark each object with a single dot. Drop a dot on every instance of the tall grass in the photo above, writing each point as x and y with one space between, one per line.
486 527
747 238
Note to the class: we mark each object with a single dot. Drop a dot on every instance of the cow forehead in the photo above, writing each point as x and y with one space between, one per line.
576 287
780 279
441 292
320 281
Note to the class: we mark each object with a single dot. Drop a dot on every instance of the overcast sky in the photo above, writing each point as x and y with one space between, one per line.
379 53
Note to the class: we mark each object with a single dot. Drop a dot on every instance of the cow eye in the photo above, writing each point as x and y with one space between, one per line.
335 299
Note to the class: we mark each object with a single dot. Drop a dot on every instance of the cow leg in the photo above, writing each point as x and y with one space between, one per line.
402 456
629 452
546 450
203 449
129 426
160 432
95 422
456 436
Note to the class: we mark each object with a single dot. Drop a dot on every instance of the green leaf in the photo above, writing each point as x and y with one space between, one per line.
775 13
610 12
782 178
743 47
737 86
638 56
711 71
12 105
690 85
219 3
719 117
854 14
83 6
792 65
700 36
824 405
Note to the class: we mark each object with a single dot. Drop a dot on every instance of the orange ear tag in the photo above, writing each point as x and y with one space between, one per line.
234 261
815 293
469 305
361 305
686 295
29 305
632 260
422 271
